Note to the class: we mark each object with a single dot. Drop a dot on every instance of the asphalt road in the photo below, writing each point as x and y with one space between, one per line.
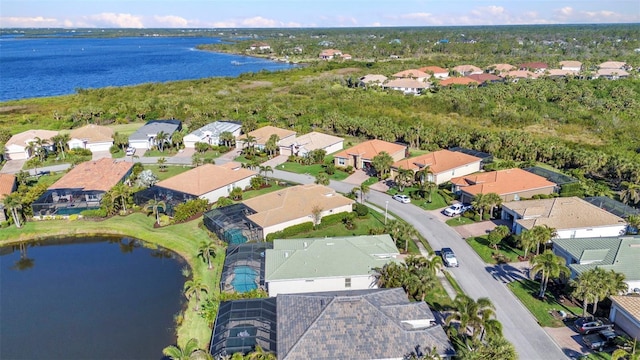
473 275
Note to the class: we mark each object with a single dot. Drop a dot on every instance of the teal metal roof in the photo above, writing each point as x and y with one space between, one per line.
327 257
622 254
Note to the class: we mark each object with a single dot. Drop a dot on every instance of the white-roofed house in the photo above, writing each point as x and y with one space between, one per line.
210 133
302 145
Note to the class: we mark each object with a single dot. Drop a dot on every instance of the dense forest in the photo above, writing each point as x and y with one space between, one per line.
568 123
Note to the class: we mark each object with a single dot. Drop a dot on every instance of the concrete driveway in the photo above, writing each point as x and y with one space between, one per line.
479 228
473 275
12 166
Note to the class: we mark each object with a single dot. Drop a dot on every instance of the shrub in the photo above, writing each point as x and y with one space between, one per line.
4 224
476 217
94 213
376 231
186 210
73 217
330 169
469 214
349 169
79 152
330 220
291 231
114 149
486 216
361 209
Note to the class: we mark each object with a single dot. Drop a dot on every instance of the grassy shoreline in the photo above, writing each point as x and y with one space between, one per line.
183 239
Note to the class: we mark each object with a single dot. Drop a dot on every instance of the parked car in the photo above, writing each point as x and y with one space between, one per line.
457 209
600 340
402 198
449 257
588 325
130 151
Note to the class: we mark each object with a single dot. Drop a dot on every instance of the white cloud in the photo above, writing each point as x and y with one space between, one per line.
567 11
116 20
171 21
38 21
259 22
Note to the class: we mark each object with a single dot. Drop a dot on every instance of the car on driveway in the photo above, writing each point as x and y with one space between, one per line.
589 325
456 209
449 257
131 151
402 198
600 340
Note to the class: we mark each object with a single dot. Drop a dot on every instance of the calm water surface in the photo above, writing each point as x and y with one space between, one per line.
58 66
88 298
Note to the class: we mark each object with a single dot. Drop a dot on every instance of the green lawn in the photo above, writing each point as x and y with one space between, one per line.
126 129
168 152
242 159
372 180
182 239
171 170
437 201
253 193
459 220
482 247
312 170
527 290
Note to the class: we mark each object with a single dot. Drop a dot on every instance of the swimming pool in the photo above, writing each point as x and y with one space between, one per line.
245 279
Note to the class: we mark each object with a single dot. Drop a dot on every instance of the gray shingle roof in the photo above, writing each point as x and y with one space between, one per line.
370 324
155 126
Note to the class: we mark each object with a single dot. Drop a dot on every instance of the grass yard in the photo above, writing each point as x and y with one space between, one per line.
459 220
275 186
527 290
126 129
182 239
171 170
312 170
437 201
372 180
482 247
168 152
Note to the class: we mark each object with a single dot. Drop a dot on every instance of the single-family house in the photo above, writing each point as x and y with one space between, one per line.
515 75
436 72
500 68
372 80
571 217
558 73
261 46
210 133
619 254
8 184
535 67
414 74
442 165
611 74
263 134
361 155
82 187
465 70
460 81
302 145
346 57
485 78
20 146
296 266
365 324
207 181
619 65
91 137
510 184
571 65
330 54
145 137
625 314
407 86
295 205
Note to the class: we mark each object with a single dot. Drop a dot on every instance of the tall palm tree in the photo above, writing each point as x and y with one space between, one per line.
207 250
61 143
266 170
470 314
549 266
543 235
177 138
156 207
162 164
424 175
492 200
403 178
584 289
271 146
161 138
227 138
479 203
527 240
249 143
41 150
621 354
364 190
382 163
193 288
187 352
13 202
122 192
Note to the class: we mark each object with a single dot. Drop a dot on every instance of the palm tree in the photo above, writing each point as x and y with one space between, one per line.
61 143
364 190
583 289
624 354
226 138
322 179
161 138
527 240
177 138
271 146
424 175
498 234
470 314
122 192
266 169
630 193
492 200
193 288
549 266
249 143
187 352
236 194
40 144
403 178
162 164
543 235
607 283
156 206
382 163
206 251
260 354
479 203
634 222
13 202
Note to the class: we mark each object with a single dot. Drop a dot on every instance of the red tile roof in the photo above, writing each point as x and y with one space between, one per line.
433 70
7 184
438 161
501 182
206 178
371 148
411 73
534 65
482 78
99 175
458 81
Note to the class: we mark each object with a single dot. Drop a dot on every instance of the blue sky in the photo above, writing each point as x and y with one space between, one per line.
309 13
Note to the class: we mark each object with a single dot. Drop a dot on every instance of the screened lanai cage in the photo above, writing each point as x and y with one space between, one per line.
231 224
171 198
243 268
613 206
553 176
486 157
65 202
243 324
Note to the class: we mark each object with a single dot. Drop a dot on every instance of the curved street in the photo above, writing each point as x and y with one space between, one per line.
474 276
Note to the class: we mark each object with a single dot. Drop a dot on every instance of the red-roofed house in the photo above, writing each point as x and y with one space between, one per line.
330 54
436 71
485 78
360 156
82 187
8 184
412 74
465 70
500 68
536 67
465 81
443 165
510 184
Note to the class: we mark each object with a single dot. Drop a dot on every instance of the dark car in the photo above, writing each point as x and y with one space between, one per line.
600 340
589 325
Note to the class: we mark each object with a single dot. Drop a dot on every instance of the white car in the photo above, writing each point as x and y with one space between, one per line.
456 209
402 198
449 257
131 151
